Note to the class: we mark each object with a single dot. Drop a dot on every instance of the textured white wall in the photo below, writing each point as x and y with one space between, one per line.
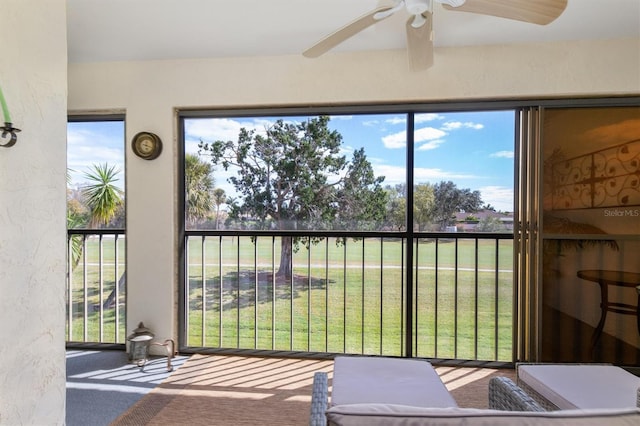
150 92
33 76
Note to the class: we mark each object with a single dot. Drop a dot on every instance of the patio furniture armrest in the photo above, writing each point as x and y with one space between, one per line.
319 399
505 395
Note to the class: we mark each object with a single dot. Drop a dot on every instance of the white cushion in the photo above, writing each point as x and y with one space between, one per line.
413 382
571 386
401 415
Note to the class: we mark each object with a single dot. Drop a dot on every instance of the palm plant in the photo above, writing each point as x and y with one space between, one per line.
199 184
103 197
219 198
74 220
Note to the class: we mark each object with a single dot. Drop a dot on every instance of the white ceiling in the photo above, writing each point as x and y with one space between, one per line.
123 30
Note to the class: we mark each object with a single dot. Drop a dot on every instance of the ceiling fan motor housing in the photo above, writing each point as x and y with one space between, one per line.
417 7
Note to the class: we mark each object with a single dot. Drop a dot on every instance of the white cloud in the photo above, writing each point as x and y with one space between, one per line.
212 129
396 120
83 155
430 145
399 139
423 118
395 140
397 174
225 129
422 174
86 148
499 197
502 154
428 134
418 118
392 174
454 125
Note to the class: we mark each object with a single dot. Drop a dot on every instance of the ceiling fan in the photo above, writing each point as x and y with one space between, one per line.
419 27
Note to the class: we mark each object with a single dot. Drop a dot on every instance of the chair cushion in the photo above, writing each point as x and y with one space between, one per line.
571 386
402 415
361 379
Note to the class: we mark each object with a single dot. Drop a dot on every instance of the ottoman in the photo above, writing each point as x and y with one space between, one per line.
361 379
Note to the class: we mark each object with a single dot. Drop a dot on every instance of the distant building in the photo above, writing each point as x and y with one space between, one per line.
484 221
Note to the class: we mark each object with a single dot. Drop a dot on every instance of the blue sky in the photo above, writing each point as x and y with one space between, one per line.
472 149
91 143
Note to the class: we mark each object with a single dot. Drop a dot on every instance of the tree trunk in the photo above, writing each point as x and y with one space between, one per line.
111 300
285 269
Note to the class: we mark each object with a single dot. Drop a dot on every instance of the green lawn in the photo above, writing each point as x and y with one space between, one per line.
342 300
85 281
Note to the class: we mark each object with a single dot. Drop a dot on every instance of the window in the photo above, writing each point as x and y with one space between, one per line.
296 233
463 174
95 168
349 172
96 283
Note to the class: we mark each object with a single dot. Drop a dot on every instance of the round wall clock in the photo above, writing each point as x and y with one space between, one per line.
146 145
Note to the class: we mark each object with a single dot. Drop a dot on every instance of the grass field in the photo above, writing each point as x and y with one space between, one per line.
92 281
351 298
342 298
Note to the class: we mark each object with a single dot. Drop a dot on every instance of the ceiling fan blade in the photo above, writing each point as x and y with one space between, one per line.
349 30
420 44
541 12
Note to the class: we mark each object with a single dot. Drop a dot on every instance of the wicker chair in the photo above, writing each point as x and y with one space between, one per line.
505 395
319 399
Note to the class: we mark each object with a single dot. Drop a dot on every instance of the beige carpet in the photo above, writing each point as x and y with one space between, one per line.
234 390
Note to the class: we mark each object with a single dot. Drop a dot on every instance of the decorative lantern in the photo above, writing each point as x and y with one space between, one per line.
139 343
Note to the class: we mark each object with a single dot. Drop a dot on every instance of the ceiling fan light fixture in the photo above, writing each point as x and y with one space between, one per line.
418 21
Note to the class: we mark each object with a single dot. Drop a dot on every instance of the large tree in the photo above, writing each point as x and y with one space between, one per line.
395 217
423 200
449 199
423 205
293 176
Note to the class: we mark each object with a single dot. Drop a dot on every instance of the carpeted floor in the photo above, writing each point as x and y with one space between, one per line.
234 390
103 384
